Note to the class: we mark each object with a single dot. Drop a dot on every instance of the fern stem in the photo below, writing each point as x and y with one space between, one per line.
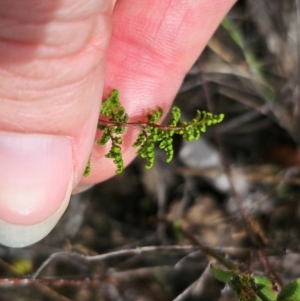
141 125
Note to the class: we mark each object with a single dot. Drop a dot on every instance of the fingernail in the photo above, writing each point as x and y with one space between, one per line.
81 188
35 185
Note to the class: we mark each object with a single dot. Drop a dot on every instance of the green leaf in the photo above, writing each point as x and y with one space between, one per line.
23 266
87 170
175 116
290 292
177 229
267 286
105 138
140 139
110 104
222 274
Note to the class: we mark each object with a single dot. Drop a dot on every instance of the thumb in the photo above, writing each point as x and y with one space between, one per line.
51 77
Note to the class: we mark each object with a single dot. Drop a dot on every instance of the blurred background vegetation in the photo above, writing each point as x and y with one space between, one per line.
236 190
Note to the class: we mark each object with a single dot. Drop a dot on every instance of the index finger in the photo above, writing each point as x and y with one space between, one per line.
153 45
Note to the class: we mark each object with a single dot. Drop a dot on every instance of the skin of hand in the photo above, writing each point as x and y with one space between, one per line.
57 60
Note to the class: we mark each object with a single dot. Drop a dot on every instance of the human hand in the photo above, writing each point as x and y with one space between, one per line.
52 76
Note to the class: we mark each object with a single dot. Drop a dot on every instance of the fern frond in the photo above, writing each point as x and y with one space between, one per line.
150 133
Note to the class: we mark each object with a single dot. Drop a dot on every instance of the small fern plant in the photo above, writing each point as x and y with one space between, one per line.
113 121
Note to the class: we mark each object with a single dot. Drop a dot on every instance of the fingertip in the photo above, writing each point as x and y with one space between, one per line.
36 180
